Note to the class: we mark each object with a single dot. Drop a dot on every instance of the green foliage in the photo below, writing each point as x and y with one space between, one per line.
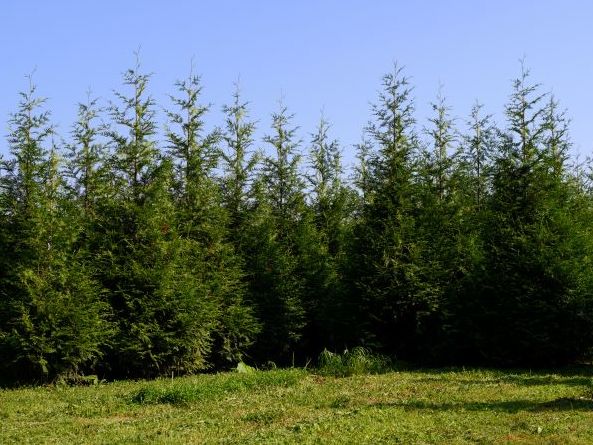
125 255
274 287
242 368
388 287
527 303
53 322
272 244
239 163
164 311
204 224
359 361
87 159
322 243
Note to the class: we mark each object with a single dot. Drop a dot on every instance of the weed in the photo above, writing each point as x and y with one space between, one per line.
359 361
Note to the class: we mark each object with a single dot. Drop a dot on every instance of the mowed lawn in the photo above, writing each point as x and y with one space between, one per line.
297 406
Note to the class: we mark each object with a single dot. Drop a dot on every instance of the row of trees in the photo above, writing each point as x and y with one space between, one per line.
127 255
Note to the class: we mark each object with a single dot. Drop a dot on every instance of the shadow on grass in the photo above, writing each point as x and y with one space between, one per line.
567 370
575 375
525 380
513 406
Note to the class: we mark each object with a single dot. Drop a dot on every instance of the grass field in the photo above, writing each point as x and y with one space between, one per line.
296 406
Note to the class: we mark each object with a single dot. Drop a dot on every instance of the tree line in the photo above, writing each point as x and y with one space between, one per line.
128 254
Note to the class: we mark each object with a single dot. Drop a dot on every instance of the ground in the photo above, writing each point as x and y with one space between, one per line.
298 406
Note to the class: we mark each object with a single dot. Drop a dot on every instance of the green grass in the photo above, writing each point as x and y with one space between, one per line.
295 406
359 361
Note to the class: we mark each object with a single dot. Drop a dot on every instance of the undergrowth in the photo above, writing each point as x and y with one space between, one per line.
358 361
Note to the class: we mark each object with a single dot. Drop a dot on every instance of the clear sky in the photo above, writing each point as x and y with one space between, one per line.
318 55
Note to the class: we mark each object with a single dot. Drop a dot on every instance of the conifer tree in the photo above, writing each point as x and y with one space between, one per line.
527 311
127 261
438 225
331 202
163 324
203 223
362 174
556 137
329 195
386 251
442 137
53 321
275 286
472 184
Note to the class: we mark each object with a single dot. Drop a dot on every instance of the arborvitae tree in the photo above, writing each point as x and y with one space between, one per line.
203 224
472 184
438 225
163 324
271 246
52 320
386 253
530 305
331 204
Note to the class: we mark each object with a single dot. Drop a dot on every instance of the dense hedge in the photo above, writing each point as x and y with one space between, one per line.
128 253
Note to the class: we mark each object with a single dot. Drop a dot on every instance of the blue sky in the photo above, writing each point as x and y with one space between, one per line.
318 55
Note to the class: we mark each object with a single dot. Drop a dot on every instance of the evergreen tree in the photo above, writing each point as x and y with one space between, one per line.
203 223
126 261
556 138
442 137
530 305
275 285
438 227
472 186
53 323
386 252
329 194
362 174
163 323
331 203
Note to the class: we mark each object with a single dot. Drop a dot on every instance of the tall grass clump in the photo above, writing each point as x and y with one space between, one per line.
358 361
